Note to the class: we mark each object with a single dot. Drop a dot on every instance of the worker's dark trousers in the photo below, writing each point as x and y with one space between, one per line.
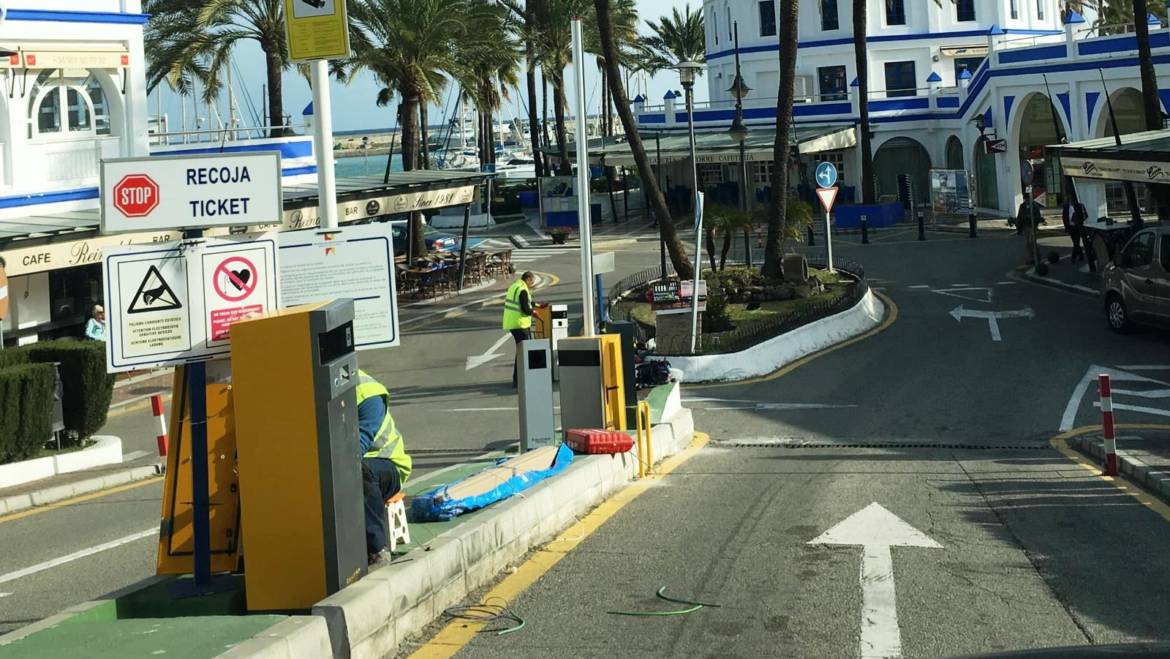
379 482
518 335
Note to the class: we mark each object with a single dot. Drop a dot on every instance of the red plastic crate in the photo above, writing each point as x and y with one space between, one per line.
598 441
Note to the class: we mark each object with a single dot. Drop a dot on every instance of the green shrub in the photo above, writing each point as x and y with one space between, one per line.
13 357
26 410
716 318
86 387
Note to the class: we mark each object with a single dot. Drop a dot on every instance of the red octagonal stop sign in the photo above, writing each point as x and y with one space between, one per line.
136 195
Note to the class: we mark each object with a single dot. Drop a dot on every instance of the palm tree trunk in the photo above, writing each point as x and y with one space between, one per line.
530 83
418 245
426 134
1151 102
558 84
544 118
774 247
868 193
273 73
674 246
747 246
725 250
710 239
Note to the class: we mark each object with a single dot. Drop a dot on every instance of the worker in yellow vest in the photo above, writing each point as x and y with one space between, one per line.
518 310
385 464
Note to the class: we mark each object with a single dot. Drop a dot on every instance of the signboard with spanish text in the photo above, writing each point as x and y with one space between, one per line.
190 191
950 191
316 29
172 303
354 262
368 207
1114 170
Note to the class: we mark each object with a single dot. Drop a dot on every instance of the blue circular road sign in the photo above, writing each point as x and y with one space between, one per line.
826 175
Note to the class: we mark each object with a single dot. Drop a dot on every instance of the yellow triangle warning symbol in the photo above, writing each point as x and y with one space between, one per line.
154 294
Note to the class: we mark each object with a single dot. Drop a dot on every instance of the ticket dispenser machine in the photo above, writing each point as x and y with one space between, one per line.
534 378
592 391
294 374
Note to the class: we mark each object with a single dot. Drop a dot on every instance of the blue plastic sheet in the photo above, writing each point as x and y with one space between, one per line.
434 506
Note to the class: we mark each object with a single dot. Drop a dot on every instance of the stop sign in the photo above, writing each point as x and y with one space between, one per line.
136 195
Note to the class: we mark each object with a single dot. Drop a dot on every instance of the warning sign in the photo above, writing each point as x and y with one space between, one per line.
154 294
165 307
239 283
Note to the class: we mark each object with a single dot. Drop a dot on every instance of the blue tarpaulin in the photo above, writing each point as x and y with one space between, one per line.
434 505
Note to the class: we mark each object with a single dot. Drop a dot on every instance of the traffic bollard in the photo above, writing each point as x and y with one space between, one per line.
1108 431
812 240
921 226
864 230
156 408
971 225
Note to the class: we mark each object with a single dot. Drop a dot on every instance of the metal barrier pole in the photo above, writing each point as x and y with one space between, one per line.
1108 430
864 230
921 225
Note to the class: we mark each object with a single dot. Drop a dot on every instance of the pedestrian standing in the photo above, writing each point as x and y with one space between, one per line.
518 309
1074 214
1028 221
95 328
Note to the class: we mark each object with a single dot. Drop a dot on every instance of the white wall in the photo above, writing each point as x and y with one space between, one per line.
29 301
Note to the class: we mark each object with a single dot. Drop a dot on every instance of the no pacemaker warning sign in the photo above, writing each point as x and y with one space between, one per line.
239 285
235 279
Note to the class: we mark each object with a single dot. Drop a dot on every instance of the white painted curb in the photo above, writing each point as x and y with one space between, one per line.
373 617
47 495
779 351
106 450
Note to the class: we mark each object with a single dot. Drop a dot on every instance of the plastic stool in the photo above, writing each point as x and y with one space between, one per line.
396 514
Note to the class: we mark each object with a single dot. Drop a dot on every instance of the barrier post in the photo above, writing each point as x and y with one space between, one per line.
156 408
1108 430
864 230
645 451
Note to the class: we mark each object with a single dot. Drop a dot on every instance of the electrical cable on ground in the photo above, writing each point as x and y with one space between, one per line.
694 606
488 614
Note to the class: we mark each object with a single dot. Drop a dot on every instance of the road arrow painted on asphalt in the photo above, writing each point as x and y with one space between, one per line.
488 355
958 313
875 530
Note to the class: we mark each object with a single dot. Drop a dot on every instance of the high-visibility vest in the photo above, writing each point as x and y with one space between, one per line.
514 318
388 443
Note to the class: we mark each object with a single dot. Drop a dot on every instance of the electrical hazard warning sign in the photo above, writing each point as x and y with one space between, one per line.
173 303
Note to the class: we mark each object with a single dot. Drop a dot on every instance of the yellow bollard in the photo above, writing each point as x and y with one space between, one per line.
645 451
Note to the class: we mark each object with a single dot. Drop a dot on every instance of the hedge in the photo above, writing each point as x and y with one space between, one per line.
13 357
26 409
86 387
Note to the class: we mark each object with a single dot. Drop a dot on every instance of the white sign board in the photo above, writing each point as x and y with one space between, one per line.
172 303
191 191
603 263
355 262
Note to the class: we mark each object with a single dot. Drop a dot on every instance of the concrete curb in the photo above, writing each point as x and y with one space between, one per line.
296 637
779 351
48 495
106 450
374 617
1134 468
1083 291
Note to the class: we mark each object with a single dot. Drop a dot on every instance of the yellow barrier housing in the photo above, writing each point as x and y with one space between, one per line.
294 379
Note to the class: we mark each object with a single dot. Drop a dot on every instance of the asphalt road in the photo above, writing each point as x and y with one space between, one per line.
933 420
59 557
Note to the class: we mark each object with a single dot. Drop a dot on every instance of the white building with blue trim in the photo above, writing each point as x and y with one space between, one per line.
936 73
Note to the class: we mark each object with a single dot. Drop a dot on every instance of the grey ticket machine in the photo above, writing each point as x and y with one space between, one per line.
534 380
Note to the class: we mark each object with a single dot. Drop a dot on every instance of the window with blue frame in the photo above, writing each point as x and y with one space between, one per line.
768 18
829 20
964 10
895 12
900 79
831 81
969 63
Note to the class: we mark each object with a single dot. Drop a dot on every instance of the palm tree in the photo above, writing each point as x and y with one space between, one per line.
675 38
408 45
609 50
774 246
729 222
868 193
487 66
184 36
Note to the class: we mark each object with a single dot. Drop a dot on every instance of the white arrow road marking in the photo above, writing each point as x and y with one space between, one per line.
958 313
56 562
875 530
973 293
4 595
488 355
1090 376
1137 408
1152 393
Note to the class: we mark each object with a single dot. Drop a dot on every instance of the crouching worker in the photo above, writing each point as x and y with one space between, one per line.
385 464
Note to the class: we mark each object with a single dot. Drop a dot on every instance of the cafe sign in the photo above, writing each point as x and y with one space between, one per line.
57 256
1115 170
370 207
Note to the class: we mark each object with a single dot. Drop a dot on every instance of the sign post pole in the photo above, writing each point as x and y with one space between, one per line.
323 144
589 326
826 176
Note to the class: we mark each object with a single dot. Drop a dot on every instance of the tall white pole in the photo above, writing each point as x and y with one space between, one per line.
698 204
231 99
583 218
323 145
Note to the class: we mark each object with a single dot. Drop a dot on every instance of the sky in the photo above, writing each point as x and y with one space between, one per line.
353 104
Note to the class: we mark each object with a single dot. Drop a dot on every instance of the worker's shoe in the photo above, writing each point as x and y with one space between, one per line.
380 558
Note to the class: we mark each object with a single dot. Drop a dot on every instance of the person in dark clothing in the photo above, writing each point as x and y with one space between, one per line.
1028 221
518 309
385 464
1074 214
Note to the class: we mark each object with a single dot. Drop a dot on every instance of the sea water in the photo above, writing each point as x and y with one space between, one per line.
366 165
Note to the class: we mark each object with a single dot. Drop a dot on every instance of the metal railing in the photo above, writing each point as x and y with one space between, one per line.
217 135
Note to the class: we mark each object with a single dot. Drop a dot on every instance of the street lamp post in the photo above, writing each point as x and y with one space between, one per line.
686 73
739 133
